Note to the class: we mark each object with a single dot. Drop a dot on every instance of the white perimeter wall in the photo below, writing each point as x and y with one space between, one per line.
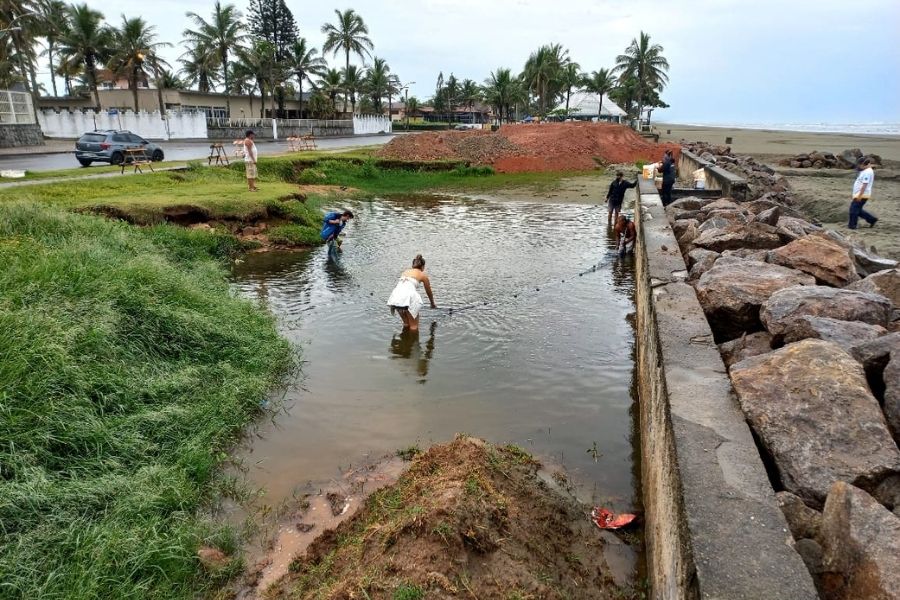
70 125
369 124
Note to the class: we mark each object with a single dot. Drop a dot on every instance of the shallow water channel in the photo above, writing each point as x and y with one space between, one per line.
543 360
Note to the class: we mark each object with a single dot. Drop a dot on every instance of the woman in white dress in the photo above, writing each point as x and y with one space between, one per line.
405 298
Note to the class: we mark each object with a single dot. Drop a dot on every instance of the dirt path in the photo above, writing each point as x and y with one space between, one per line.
466 520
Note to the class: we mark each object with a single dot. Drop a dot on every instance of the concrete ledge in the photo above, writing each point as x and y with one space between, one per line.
713 527
717 178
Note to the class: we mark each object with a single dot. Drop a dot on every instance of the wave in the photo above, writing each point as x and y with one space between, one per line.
857 128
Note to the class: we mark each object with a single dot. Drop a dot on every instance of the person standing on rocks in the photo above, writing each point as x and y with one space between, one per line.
616 196
862 191
250 156
668 177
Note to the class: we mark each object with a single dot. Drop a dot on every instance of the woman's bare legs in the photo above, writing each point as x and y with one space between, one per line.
413 322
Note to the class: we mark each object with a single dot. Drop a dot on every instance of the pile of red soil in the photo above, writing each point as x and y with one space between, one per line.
536 147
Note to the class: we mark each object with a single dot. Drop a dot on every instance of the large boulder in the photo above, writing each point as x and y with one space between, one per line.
811 408
822 258
798 227
722 204
869 262
845 334
770 216
886 283
752 344
891 378
757 236
874 355
804 521
789 304
731 293
680 226
861 547
689 203
700 261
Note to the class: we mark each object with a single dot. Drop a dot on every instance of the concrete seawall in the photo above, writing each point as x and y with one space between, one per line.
713 528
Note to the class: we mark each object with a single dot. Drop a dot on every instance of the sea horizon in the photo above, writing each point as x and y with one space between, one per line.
874 128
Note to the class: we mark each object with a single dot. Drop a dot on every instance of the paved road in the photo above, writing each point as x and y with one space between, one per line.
176 150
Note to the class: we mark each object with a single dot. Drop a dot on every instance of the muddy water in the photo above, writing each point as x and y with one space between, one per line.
540 362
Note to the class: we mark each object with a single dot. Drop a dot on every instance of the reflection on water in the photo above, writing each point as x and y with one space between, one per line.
543 360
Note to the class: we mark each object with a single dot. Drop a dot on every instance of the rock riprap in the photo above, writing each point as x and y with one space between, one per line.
788 304
885 283
822 258
731 293
845 334
812 410
861 547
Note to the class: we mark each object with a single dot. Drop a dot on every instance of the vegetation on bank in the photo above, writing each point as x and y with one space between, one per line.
127 369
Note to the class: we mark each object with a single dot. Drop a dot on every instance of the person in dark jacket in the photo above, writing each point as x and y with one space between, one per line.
668 177
616 196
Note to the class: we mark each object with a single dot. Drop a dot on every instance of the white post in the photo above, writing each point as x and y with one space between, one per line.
274 128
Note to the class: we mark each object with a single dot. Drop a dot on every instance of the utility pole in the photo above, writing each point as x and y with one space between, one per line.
406 102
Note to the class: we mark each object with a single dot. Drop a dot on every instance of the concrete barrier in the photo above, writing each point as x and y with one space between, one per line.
176 125
717 178
713 529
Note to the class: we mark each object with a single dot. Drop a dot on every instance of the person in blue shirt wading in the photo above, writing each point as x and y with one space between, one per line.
333 224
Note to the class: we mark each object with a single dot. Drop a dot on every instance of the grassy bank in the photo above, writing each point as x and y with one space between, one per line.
127 368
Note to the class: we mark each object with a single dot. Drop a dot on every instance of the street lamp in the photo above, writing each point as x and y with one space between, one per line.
406 102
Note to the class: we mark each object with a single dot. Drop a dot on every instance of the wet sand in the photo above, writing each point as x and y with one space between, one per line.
769 143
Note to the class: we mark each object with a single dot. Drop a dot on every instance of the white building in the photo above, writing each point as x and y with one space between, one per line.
586 106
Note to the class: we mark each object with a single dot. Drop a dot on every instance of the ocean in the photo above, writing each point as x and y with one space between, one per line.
859 128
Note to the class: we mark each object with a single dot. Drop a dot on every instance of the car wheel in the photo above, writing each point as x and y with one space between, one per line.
85 163
117 158
157 155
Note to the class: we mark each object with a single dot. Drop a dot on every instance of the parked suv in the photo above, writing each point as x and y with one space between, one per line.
109 145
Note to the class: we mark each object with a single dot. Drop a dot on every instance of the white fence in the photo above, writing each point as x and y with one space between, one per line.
370 124
176 125
15 108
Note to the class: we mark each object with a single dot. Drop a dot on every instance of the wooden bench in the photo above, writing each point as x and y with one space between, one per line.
238 148
218 155
136 157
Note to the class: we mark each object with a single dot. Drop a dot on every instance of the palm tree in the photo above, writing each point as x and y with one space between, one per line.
501 90
69 72
469 93
168 80
350 35
378 82
412 106
200 67
353 82
542 73
331 83
599 82
646 64
20 22
88 42
135 47
55 17
571 78
243 81
304 63
222 34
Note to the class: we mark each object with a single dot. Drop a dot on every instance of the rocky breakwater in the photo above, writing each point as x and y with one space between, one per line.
808 325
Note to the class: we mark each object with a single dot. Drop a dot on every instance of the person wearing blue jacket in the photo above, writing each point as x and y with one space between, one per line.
333 224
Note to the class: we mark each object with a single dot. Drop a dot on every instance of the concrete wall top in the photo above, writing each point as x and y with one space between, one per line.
737 540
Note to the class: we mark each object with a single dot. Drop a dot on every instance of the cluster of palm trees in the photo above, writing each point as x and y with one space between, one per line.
222 54
550 78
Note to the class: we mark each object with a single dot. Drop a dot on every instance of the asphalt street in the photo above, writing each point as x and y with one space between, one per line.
178 150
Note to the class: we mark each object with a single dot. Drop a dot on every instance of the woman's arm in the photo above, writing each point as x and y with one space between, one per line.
427 283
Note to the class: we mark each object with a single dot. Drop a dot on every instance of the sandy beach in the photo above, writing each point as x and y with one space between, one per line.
824 194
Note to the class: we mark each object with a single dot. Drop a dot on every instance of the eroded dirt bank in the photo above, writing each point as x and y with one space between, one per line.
466 520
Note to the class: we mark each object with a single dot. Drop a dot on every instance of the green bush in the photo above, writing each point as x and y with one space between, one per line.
295 235
127 370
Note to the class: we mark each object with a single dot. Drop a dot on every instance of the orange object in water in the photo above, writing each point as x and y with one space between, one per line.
606 519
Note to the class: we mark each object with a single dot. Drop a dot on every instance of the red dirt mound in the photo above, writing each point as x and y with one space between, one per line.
520 148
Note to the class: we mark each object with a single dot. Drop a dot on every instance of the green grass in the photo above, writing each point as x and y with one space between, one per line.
295 235
127 369
408 591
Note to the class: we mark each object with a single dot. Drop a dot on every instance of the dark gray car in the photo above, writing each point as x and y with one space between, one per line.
110 145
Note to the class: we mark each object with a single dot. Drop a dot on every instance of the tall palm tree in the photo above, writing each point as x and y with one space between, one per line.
350 34
353 83
542 73
168 80
498 91
571 78
55 21
645 63
19 20
331 83
412 106
305 62
200 67
135 49
378 82
599 82
222 34
89 42
243 81
469 93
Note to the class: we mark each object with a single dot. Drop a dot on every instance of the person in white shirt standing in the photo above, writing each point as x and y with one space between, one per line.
250 156
862 191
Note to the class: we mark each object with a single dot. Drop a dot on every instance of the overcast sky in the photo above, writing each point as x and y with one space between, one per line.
784 61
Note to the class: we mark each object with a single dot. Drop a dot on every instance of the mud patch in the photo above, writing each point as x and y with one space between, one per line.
185 215
466 519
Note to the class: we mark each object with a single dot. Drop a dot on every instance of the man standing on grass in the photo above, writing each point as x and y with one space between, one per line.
250 156
862 191
615 197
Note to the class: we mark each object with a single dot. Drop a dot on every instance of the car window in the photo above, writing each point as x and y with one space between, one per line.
95 138
135 139
121 138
